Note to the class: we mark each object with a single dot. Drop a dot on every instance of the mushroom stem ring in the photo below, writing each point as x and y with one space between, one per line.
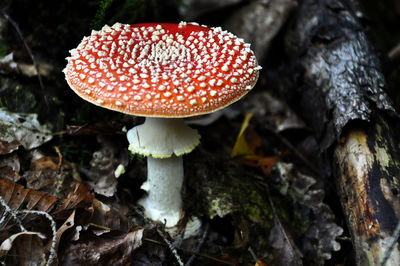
163 141
164 72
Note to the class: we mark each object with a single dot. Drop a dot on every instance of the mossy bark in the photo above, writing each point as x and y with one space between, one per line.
367 168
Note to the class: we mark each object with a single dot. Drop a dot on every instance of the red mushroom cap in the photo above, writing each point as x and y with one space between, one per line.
162 69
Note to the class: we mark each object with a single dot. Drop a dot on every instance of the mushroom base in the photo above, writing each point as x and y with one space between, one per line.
164 182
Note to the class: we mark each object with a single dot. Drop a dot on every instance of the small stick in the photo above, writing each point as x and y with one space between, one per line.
254 256
162 234
190 252
170 246
201 243
7 209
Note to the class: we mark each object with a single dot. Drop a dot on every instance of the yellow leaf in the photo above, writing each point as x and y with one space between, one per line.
241 147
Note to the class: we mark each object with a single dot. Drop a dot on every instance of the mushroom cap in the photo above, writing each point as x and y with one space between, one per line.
162 69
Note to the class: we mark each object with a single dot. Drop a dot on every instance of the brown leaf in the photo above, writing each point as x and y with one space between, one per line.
52 175
264 163
18 197
10 167
107 217
108 249
8 146
82 197
245 148
25 248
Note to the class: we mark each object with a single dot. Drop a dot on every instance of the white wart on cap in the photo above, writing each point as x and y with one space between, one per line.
161 69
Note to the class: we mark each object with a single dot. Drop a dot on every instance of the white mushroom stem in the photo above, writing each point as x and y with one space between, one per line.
163 141
164 182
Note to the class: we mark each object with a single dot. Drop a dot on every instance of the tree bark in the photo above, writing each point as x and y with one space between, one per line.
339 89
367 163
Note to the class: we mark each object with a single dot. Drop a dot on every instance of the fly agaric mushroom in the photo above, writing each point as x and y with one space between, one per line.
163 72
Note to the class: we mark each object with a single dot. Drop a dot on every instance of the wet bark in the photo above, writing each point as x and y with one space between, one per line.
367 161
339 89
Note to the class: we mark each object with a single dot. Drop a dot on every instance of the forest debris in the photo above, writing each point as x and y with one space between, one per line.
24 248
103 250
342 79
245 148
260 16
285 250
340 91
107 217
103 165
367 161
151 253
7 64
274 111
18 197
81 216
30 70
23 129
321 230
10 167
52 175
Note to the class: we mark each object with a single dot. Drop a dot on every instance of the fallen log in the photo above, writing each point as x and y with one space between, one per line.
339 89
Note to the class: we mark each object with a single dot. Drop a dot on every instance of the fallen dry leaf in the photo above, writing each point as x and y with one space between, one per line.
285 250
242 146
103 165
107 217
245 148
108 249
8 146
10 167
21 129
25 248
17 197
53 175
264 163
319 241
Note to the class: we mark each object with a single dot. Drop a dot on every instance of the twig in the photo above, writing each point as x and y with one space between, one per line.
393 242
253 254
394 53
170 246
162 234
53 229
14 214
190 252
59 158
28 49
199 246
7 209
